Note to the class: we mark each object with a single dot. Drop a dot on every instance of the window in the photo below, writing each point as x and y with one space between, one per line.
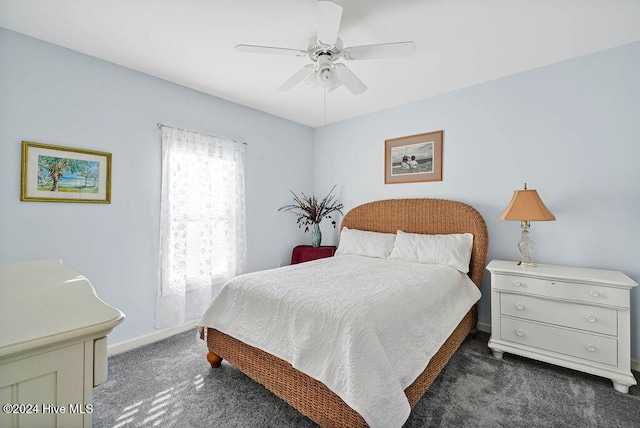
203 238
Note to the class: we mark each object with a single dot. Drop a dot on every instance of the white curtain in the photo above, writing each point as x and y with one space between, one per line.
203 232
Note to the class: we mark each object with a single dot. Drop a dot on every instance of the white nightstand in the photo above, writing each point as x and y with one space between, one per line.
572 317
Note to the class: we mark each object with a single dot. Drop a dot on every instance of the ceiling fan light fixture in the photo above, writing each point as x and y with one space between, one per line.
326 78
325 74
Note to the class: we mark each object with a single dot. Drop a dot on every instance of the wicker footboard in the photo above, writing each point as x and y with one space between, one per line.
311 397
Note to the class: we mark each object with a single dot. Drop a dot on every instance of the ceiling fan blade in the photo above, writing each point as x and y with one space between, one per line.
329 16
349 80
383 50
311 81
270 50
298 77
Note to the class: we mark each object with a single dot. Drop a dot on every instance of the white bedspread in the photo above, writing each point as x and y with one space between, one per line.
364 327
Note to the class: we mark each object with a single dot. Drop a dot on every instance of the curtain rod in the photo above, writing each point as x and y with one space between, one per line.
161 125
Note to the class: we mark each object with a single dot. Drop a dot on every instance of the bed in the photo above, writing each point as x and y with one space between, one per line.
312 397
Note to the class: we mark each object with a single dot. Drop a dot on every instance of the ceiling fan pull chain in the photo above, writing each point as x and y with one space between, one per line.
324 108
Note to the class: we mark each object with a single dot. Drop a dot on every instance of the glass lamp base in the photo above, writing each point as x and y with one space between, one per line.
526 246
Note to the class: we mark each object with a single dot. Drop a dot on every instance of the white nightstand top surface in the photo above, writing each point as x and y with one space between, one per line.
43 302
563 273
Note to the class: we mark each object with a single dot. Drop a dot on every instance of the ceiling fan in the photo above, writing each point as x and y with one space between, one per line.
326 48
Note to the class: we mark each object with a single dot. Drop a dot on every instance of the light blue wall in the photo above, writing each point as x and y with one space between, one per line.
52 95
570 130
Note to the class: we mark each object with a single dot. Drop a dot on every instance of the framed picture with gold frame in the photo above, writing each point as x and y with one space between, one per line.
64 174
413 159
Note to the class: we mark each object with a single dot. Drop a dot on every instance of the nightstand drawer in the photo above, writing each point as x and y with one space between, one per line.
573 343
584 317
563 290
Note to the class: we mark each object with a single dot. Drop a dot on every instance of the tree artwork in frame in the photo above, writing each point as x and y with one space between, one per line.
413 159
64 174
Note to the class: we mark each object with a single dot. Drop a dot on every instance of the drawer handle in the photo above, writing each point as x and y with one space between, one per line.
591 318
517 284
519 306
595 294
591 348
520 332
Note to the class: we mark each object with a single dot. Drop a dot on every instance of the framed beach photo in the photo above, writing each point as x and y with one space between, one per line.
64 174
413 159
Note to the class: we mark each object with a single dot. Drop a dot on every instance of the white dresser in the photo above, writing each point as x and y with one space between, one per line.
573 317
53 345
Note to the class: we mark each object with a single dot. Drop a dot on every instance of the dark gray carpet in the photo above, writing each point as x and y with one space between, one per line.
170 384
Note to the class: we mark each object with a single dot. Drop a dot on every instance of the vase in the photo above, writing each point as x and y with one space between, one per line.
316 235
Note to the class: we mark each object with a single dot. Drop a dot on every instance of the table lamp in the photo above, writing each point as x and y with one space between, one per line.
526 206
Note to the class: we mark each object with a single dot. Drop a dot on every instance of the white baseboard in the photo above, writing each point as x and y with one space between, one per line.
149 338
486 328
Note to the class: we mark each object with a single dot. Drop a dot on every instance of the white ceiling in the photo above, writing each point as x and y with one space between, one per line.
459 43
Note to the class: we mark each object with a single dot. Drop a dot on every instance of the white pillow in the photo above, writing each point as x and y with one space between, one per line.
453 250
364 243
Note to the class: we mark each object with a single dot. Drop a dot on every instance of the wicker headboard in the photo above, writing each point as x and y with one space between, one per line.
429 216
